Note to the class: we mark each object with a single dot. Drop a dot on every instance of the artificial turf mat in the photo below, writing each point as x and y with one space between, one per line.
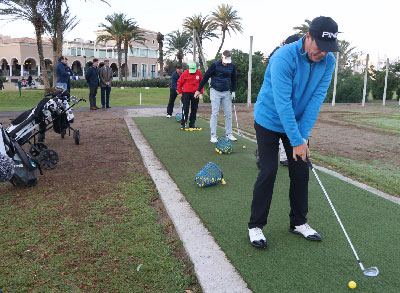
290 263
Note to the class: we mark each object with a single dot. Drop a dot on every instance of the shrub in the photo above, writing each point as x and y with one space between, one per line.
378 84
349 88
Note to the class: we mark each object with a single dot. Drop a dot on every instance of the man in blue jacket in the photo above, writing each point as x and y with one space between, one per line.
62 73
173 91
295 85
92 78
223 81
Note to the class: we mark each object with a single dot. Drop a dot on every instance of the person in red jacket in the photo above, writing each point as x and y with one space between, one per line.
187 85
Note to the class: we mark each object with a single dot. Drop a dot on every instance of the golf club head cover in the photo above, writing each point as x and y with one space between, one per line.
178 117
6 168
209 175
224 145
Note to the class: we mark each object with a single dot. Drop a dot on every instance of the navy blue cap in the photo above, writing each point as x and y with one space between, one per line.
325 30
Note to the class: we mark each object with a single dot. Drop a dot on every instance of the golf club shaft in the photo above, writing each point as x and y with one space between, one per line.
237 123
337 216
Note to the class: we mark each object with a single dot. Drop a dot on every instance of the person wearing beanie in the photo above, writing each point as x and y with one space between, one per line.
187 85
295 85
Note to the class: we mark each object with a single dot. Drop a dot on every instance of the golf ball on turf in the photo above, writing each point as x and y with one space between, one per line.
244 147
352 285
223 181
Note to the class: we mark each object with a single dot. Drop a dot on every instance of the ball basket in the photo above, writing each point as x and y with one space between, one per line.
223 145
209 175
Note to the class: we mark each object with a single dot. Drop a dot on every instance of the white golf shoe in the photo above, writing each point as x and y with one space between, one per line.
231 137
257 238
214 138
306 231
168 116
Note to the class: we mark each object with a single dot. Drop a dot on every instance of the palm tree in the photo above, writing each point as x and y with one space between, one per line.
204 27
131 33
33 12
160 40
303 29
179 43
114 32
227 19
68 23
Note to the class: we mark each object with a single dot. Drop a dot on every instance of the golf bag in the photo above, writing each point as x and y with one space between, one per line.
209 175
223 145
17 166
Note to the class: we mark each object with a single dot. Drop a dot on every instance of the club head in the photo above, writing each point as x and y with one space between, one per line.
371 272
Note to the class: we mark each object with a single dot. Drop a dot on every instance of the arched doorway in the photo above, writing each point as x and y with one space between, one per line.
76 68
5 68
15 67
114 68
49 66
30 67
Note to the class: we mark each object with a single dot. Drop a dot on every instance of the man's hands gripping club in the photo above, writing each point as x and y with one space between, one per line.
302 151
197 94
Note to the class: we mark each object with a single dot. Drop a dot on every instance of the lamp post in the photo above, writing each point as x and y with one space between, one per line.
84 67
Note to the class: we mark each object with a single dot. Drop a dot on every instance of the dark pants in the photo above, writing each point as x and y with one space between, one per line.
92 95
189 99
105 96
268 146
172 97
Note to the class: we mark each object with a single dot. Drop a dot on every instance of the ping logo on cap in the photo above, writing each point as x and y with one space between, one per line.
329 35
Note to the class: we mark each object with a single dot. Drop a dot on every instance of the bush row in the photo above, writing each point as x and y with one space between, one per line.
155 82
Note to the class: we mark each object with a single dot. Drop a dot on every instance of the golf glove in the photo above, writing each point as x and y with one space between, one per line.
233 95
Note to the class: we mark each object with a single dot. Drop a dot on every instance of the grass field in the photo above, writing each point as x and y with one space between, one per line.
10 101
290 264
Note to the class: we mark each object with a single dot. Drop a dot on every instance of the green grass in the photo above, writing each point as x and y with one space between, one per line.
10 100
290 264
47 244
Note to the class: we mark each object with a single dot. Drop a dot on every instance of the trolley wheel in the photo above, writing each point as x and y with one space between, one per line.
77 136
48 159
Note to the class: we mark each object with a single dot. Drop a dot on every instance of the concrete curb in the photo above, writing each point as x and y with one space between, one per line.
214 271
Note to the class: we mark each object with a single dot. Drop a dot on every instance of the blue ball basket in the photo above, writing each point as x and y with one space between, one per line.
178 117
209 175
224 145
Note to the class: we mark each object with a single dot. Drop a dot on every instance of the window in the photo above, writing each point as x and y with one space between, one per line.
144 70
134 70
143 52
102 54
153 42
152 53
134 52
153 71
73 52
89 52
78 52
109 53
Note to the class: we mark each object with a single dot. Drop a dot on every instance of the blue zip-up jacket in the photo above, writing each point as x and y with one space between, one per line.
223 77
292 92
92 76
174 80
62 74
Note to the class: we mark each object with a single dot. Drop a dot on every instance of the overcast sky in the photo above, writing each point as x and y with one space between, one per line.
369 25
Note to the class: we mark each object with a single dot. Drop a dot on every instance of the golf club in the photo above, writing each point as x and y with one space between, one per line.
237 123
370 272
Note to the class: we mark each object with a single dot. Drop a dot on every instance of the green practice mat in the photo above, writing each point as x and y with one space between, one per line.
290 263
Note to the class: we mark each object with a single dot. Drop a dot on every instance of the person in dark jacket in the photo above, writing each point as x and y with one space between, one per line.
223 81
187 85
70 73
62 74
173 92
92 78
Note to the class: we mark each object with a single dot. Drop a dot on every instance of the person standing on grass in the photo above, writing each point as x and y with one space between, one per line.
295 85
62 74
187 85
223 81
106 76
69 71
92 78
173 92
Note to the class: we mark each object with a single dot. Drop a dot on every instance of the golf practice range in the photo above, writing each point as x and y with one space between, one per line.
290 263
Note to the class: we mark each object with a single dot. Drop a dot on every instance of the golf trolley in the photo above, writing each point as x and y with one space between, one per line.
54 112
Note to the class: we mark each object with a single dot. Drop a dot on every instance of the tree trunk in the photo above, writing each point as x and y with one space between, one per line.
57 46
126 60
39 43
222 43
119 53
179 56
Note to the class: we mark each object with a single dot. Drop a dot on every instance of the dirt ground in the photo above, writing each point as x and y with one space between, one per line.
105 145
336 132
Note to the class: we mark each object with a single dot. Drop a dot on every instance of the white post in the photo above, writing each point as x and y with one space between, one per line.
335 81
22 69
249 73
140 99
365 81
38 68
10 66
386 77
194 45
